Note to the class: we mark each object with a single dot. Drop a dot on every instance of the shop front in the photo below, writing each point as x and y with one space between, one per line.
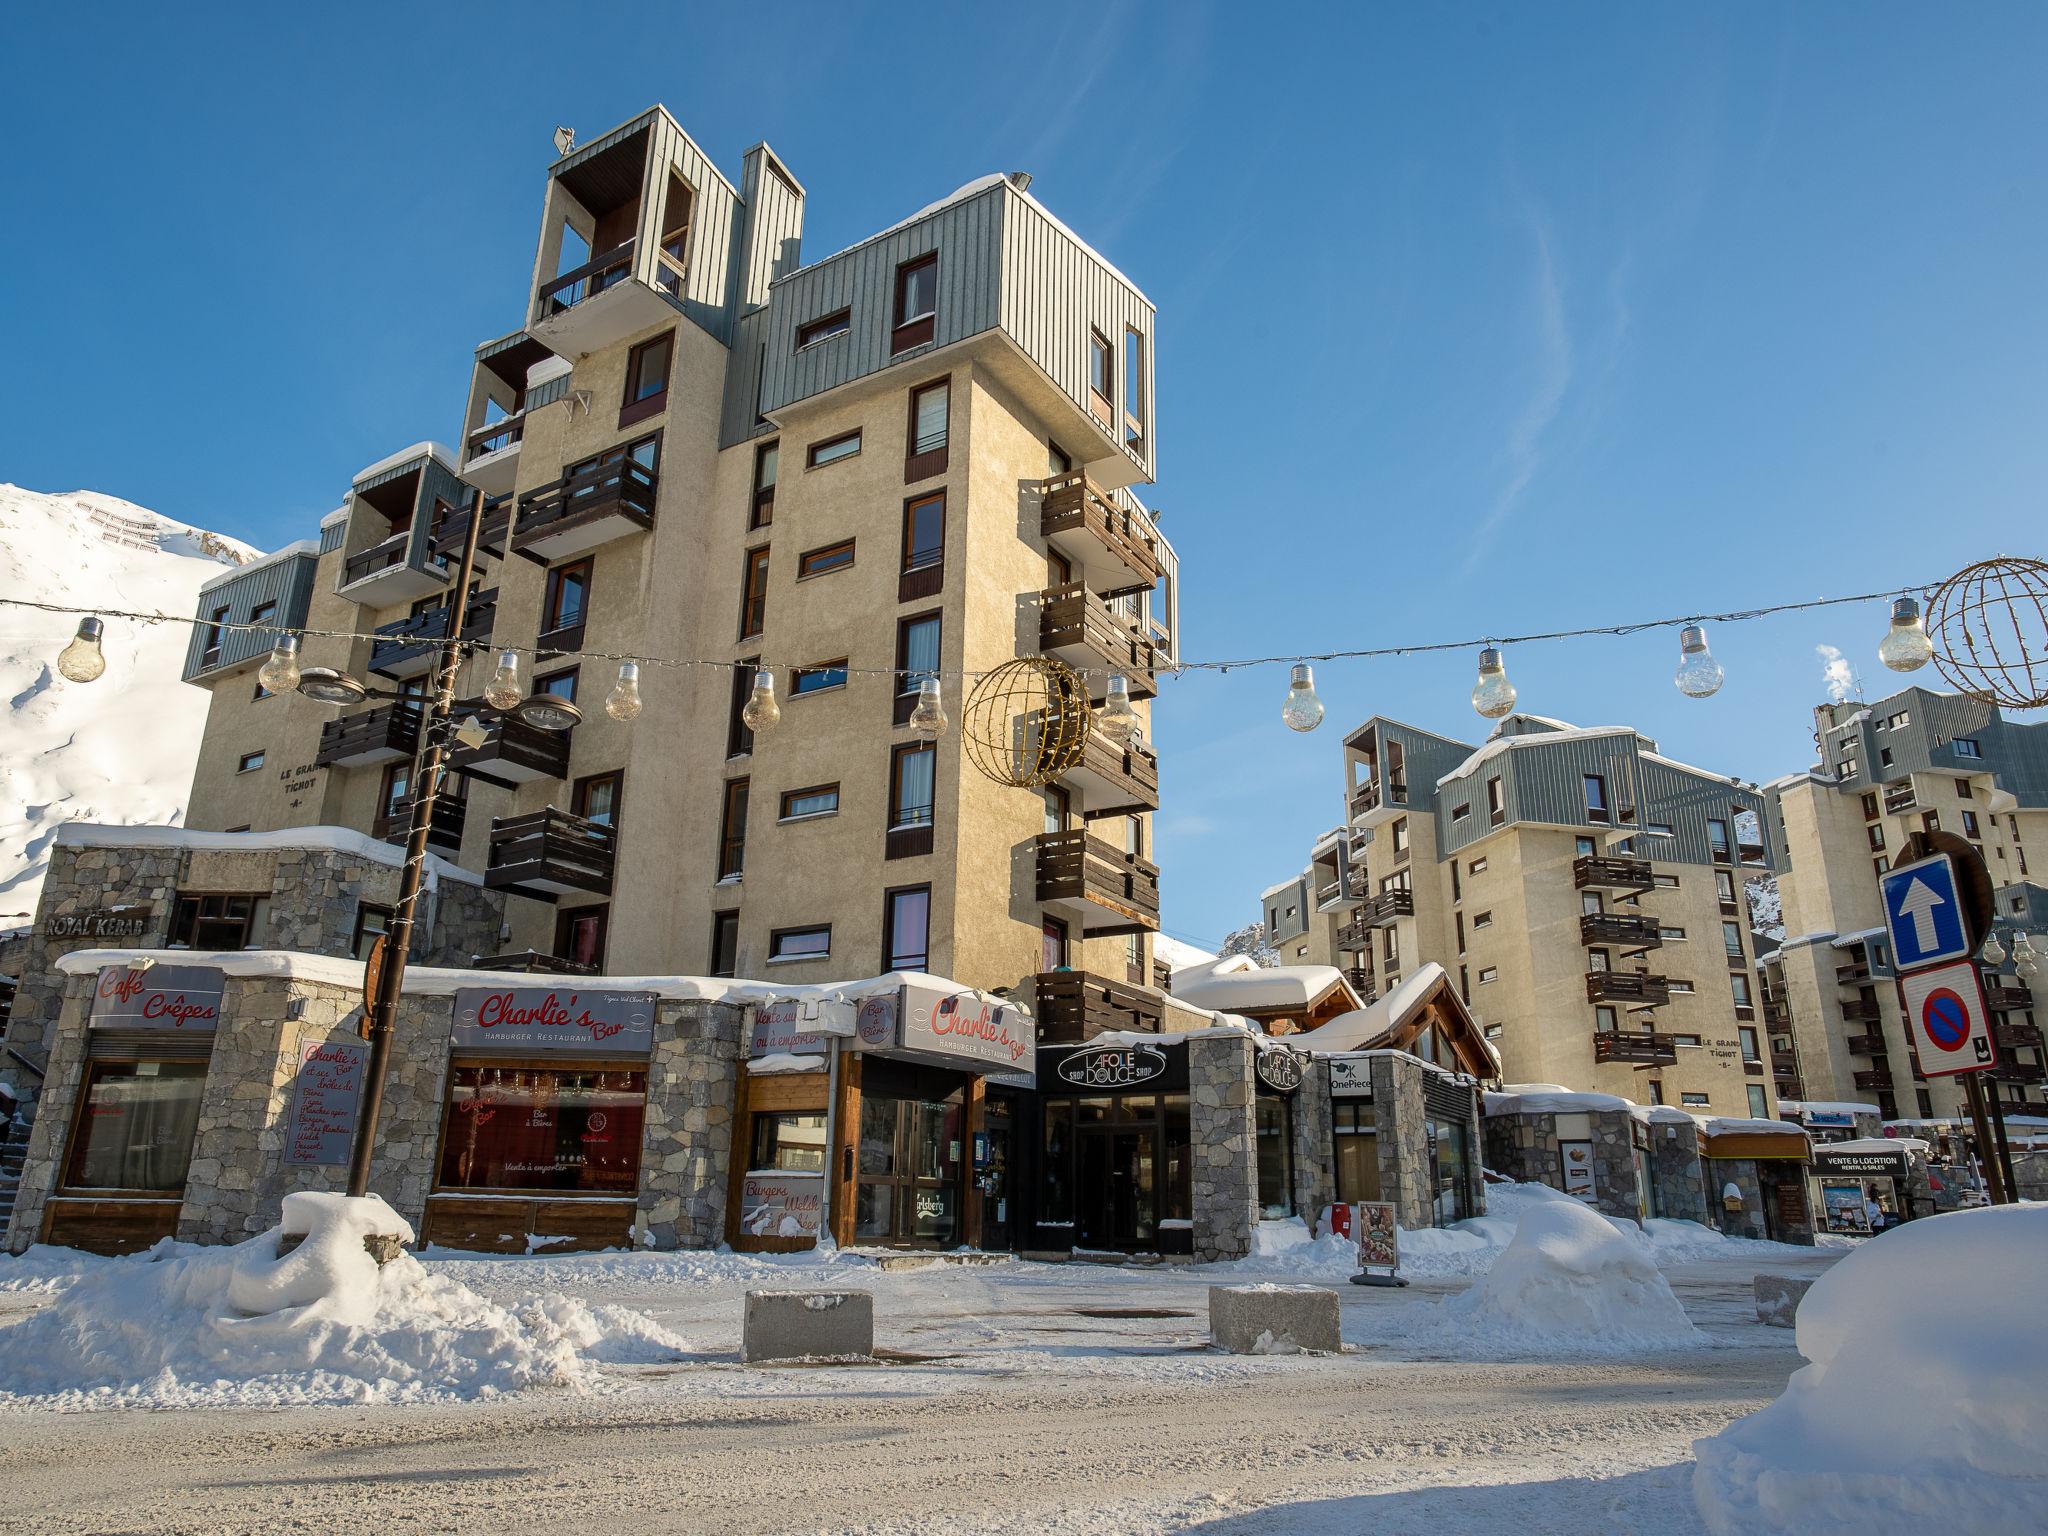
1404 1132
1866 1185
121 1176
542 1119
1757 1179
1112 1134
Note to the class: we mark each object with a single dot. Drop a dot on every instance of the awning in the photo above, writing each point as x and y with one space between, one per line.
1792 1146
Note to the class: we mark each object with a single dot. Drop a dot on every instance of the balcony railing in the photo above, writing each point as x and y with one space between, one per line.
381 556
2015 1037
1114 891
551 852
1595 871
450 817
2006 997
2016 1072
512 752
1076 625
581 511
1852 975
1118 550
1897 801
495 435
1074 1006
451 530
380 735
1629 929
1863 1010
588 280
1778 1014
1377 794
409 647
1115 776
1354 934
1876 1077
1627 987
1389 907
1642 1049
1865 1045
1784 1061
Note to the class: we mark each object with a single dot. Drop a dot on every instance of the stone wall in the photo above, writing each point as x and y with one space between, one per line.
692 1088
1721 1173
1315 1147
1525 1147
1677 1175
60 1090
1403 1140
1226 1192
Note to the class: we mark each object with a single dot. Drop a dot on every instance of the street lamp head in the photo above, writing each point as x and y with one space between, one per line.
546 712
330 686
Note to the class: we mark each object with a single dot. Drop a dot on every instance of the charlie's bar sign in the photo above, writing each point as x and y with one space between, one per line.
553 1019
183 997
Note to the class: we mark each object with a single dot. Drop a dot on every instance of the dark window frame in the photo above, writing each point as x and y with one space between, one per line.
777 935
723 924
889 946
818 668
904 697
1101 372
580 791
761 511
250 762
739 740
925 463
753 603
811 333
355 938
806 570
561 635
639 407
732 828
906 838
784 814
922 575
909 331
568 917
824 444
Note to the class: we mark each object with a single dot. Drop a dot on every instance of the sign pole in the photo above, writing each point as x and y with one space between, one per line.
1987 1155
2012 1183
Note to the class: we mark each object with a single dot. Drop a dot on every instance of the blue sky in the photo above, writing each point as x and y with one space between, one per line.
1471 318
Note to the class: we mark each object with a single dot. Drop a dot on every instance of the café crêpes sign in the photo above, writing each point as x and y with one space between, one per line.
172 997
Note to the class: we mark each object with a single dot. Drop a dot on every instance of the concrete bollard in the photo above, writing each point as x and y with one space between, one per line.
808 1325
1777 1299
1274 1319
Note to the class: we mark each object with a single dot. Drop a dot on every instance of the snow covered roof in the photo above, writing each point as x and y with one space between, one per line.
1284 886
298 547
1720 1125
338 515
1379 1017
1237 983
1879 1144
1497 745
88 834
1826 1107
419 450
1176 955
1550 1099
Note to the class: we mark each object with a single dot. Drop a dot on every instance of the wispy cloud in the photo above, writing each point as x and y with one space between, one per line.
1836 673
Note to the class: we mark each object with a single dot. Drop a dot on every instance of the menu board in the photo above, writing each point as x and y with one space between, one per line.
1379 1236
325 1096
774 1203
1577 1160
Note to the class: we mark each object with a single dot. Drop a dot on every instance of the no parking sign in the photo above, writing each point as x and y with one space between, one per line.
1946 1016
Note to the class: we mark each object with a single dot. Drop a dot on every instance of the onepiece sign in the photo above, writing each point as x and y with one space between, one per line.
553 1019
182 997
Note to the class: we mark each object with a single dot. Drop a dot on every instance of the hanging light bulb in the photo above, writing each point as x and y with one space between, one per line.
623 702
280 674
2023 946
761 711
1905 646
504 689
1493 695
1699 675
928 718
81 660
1302 710
1993 951
1116 719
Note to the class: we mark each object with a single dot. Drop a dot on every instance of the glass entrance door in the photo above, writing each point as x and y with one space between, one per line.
994 1176
1117 1198
910 1167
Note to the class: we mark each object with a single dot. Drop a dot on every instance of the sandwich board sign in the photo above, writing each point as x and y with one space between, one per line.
1946 1016
1923 912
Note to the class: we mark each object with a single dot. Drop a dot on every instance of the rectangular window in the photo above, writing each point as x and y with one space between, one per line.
739 741
1759 1102
1724 889
597 798
930 416
1970 824
372 923
138 1126
647 367
580 934
1738 984
827 674
1693 1100
1751 1051
818 562
543 1128
1134 389
766 459
1671 935
1101 377
824 328
917 303
803 804
800 943
1496 806
725 943
912 785
263 613
248 762
1965 746
559 685
216 627
1400 835
1461 811
218 921
1870 806
1482 919
832 449
924 533
788 1142
906 929
568 599
1717 839
917 658
1460 923
1596 797
1476 867
1604 1019
754 593
1962 785
1731 940
1874 834
1488 973
732 831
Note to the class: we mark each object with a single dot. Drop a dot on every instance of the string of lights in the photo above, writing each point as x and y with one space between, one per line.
1905 647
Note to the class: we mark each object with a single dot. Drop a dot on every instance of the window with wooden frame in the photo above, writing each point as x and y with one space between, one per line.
218 920
249 762
1596 797
787 944
565 606
1496 804
1057 460
925 452
644 451
912 794
732 830
831 450
809 804
580 933
725 944
392 792
647 369
824 328
754 592
907 928
767 459
917 658
216 627
136 1123
672 265
818 678
560 685
1101 377
917 303
739 741
598 798
1134 389
824 560
924 547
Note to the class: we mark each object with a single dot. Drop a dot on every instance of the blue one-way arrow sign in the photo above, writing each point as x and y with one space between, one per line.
1924 913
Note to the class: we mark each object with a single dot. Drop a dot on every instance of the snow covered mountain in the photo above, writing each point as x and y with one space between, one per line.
119 749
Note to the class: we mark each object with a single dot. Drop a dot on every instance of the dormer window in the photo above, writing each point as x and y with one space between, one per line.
917 303
824 328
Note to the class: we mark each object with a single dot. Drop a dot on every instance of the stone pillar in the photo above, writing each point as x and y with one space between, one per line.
63 1080
686 1156
1403 1140
1677 1173
1315 1146
415 1088
1226 1192
1616 1190
1721 1172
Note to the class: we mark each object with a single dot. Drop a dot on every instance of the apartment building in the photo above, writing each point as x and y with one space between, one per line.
1584 890
916 453
1916 761
1310 918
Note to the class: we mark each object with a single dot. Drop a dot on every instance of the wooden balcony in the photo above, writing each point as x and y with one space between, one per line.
551 853
1631 930
1074 1006
1876 1077
2006 997
380 735
1863 1010
383 574
1784 1061
579 512
1388 907
1595 871
1855 974
450 817
451 531
1865 1045
1627 987
1377 799
1077 626
2017 1037
1112 777
1753 1066
1777 1013
1354 934
410 647
2017 1072
576 285
1639 1049
512 753
1108 890
1111 550
1363 982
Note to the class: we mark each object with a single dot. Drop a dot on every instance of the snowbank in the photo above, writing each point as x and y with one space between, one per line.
1568 1283
187 1326
1925 1405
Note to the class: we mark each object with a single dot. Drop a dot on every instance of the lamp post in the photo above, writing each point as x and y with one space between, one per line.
333 687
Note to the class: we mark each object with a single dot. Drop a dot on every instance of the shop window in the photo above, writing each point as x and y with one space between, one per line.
563 1129
1274 1126
910 1159
767 458
906 929
136 1129
1355 1124
732 831
924 547
930 420
788 1142
647 368
1056 1184
219 921
800 943
372 923
580 935
725 943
